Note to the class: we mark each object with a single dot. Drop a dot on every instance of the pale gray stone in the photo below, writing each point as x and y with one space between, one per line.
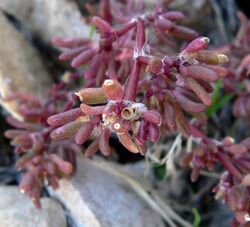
21 69
48 18
96 198
17 210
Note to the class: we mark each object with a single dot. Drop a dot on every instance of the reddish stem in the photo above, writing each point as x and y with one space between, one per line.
106 11
132 83
140 36
229 166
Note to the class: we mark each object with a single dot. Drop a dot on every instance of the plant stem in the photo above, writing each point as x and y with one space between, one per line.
131 85
229 166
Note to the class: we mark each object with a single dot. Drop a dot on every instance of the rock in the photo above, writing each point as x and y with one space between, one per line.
95 198
21 69
17 210
48 19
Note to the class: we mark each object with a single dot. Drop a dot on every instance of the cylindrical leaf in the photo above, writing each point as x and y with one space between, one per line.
199 91
127 142
104 142
84 133
65 117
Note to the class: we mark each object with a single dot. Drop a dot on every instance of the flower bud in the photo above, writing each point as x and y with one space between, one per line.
91 96
228 141
211 57
113 90
65 117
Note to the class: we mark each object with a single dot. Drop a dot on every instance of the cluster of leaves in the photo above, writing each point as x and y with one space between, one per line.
44 161
139 85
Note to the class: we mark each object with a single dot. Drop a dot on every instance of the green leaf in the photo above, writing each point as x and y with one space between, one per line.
217 101
197 217
92 31
160 172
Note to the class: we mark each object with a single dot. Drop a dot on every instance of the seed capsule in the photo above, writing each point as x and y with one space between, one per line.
211 57
113 90
91 96
128 113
